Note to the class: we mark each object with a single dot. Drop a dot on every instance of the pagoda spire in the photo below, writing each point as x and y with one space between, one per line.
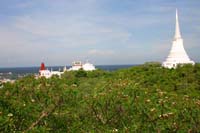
177 29
177 54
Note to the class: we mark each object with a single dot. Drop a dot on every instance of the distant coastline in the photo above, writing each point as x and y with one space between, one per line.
32 70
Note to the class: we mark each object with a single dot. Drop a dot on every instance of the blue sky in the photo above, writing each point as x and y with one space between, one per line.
58 32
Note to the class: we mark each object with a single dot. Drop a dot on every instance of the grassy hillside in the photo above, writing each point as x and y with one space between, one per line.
146 98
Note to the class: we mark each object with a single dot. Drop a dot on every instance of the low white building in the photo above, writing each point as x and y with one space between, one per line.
77 65
88 67
43 72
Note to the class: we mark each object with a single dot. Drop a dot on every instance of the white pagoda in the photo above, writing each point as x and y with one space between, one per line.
177 54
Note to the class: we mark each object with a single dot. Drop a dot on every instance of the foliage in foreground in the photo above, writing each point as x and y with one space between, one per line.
146 98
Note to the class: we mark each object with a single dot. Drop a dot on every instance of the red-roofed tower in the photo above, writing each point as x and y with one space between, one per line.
42 67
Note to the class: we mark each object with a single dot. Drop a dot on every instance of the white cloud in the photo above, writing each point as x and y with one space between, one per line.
95 52
24 4
32 39
60 32
71 31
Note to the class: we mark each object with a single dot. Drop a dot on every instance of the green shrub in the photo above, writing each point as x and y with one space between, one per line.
146 98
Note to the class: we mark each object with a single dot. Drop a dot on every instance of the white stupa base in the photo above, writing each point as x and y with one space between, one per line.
174 64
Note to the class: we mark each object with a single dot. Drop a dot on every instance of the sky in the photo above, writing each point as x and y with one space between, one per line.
105 32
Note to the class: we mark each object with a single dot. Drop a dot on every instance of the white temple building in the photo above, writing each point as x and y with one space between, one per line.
177 54
88 67
77 65
43 72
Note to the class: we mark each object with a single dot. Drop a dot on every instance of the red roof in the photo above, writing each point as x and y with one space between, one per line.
42 67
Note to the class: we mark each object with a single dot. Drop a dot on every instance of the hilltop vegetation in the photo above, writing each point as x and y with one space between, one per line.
146 98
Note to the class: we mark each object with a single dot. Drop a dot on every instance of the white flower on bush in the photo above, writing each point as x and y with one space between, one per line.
10 115
33 100
115 130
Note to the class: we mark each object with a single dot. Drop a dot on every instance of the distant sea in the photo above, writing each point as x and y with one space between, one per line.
33 70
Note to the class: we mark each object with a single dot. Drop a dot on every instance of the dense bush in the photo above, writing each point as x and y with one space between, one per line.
146 98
